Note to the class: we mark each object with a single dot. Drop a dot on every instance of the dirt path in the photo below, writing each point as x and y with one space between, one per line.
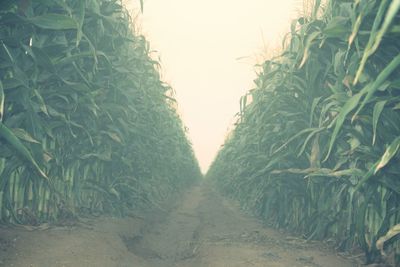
204 230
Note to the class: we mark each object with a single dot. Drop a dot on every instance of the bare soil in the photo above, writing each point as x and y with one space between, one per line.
202 230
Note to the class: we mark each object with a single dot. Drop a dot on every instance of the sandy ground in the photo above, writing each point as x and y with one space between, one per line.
204 229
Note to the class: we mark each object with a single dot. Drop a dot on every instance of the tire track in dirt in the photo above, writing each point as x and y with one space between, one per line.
208 230
173 238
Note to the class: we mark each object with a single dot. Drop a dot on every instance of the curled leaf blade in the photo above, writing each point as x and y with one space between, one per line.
388 155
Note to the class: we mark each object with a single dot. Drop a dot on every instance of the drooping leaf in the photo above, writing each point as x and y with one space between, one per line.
53 22
388 155
382 77
24 135
309 42
42 104
13 140
393 231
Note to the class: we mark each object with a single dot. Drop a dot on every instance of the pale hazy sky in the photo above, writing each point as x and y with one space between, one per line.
208 49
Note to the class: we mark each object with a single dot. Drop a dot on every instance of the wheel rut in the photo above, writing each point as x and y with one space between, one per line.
206 229
171 239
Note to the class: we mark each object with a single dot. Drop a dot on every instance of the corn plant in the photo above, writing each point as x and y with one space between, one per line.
86 124
316 151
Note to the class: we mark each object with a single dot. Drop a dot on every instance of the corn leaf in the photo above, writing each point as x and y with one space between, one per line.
24 135
393 231
53 22
376 114
2 97
382 77
14 142
388 155
350 105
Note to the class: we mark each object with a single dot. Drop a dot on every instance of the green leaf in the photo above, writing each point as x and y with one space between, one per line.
368 49
106 156
389 17
393 231
8 53
382 77
346 109
313 107
366 8
80 20
13 140
113 136
309 42
43 60
24 135
2 97
388 155
53 22
308 138
337 27
41 103
376 114
366 177
304 131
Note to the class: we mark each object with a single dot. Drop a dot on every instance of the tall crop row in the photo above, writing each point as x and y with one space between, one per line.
317 148
85 122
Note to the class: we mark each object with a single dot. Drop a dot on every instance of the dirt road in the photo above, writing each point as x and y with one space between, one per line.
204 230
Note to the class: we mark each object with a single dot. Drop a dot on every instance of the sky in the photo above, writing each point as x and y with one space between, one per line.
208 50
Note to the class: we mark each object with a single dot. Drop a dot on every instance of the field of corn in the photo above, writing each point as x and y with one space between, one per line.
86 125
316 144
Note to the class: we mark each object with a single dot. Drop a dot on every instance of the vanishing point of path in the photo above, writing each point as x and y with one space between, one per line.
203 230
